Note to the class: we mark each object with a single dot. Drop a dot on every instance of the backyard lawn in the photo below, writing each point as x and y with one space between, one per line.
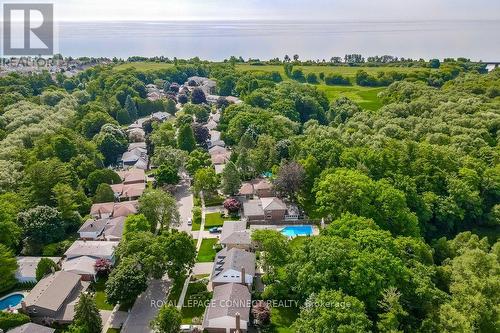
100 295
207 253
195 301
282 318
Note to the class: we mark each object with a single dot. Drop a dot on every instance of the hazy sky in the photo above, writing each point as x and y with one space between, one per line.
274 9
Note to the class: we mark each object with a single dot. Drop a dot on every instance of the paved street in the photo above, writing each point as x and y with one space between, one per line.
185 203
146 307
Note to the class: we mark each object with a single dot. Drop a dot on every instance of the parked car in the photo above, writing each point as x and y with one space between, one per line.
215 230
187 328
190 221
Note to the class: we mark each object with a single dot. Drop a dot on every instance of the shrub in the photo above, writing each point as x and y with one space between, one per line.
10 320
232 205
337 79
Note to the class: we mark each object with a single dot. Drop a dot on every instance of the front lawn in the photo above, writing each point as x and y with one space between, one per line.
100 295
214 220
175 291
207 252
196 299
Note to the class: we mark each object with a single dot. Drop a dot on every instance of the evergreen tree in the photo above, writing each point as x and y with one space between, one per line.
87 315
131 108
231 181
123 117
244 164
104 193
185 139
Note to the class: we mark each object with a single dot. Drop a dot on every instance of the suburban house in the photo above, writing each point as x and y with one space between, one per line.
128 191
26 268
246 190
134 145
137 158
32 328
113 231
207 85
106 229
94 249
261 188
83 266
113 209
54 297
233 100
229 310
235 235
219 155
92 228
161 116
132 176
265 209
233 266
81 256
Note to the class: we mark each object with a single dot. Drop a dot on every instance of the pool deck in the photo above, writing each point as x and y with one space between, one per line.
22 292
315 228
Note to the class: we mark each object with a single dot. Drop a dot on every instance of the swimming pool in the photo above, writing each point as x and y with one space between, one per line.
11 301
297 230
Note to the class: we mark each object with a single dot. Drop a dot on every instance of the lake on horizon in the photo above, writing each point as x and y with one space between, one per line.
218 40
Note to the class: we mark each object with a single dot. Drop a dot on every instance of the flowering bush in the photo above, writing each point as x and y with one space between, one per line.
232 205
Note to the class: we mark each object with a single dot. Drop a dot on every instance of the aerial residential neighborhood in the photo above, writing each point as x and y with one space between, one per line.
250 166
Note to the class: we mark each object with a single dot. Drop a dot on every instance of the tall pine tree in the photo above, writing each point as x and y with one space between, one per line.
231 181
87 315
131 108
185 138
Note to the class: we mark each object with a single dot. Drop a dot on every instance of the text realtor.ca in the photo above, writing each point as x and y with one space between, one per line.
28 29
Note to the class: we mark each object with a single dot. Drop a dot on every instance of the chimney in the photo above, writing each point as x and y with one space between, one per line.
23 306
243 279
238 324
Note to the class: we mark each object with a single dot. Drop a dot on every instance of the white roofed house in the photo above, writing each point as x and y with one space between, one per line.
233 266
110 228
92 228
26 267
161 116
229 310
81 257
94 249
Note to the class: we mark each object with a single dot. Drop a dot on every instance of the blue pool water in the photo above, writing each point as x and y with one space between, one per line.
11 300
297 230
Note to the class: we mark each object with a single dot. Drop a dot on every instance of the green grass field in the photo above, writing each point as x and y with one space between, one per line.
207 253
143 66
282 318
100 295
366 97
194 303
214 220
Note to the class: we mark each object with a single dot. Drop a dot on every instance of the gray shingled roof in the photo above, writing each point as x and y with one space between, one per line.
228 300
253 208
235 233
233 259
31 328
92 225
